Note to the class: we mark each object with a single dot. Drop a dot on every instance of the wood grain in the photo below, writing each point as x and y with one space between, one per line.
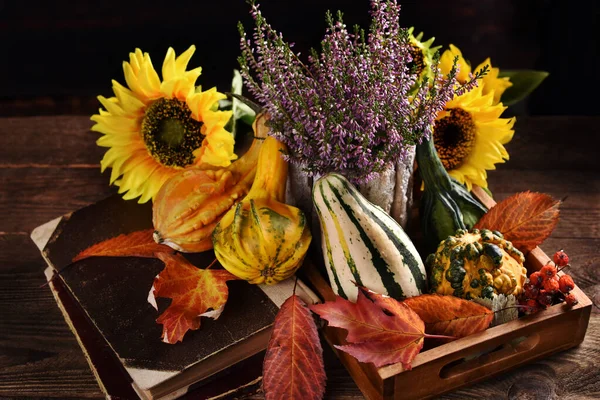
39 356
49 141
33 195
49 166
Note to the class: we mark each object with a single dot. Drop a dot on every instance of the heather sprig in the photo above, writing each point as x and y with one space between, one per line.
356 106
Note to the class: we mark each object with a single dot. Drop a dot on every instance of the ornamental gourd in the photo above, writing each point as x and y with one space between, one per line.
190 203
263 240
476 264
363 245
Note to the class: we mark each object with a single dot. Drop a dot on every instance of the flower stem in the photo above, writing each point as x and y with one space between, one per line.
440 337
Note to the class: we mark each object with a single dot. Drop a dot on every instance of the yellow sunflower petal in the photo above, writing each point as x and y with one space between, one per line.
116 156
128 100
114 123
131 78
179 88
447 61
150 187
139 174
202 103
149 80
217 149
184 58
136 59
112 106
112 140
492 83
192 76
215 120
128 164
168 69
154 183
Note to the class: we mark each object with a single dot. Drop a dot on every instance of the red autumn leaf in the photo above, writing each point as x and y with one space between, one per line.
526 219
135 244
293 366
373 335
193 291
450 315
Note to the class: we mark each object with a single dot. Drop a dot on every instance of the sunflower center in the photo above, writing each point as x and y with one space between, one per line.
417 65
454 138
170 133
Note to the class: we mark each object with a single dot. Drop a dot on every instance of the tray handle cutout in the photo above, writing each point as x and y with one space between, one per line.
484 363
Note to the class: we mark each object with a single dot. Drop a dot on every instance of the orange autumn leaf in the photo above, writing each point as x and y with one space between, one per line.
193 291
526 219
374 335
135 244
293 366
450 315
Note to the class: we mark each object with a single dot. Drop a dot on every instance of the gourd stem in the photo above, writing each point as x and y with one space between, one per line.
430 166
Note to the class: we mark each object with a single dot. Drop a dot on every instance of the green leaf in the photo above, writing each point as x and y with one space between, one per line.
240 110
524 82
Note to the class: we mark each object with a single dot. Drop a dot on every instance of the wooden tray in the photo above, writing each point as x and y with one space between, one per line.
472 358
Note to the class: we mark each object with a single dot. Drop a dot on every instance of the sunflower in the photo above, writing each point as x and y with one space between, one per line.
491 82
469 134
156 128
421 53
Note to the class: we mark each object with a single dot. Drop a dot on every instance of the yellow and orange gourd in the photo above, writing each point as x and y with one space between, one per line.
262 239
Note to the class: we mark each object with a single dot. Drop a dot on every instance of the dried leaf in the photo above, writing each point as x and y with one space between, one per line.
135 244
293 366
526 219
193 291
449 315
373 335
503 307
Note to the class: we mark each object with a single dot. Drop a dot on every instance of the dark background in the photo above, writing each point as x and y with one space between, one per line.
56 56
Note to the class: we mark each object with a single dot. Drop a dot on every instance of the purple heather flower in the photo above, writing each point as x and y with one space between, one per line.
356 106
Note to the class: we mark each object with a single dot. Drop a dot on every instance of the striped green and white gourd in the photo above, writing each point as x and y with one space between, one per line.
363 244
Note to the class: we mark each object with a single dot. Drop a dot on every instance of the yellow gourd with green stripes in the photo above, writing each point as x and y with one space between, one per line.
263 240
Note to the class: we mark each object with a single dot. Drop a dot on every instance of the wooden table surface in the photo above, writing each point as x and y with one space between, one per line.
50 166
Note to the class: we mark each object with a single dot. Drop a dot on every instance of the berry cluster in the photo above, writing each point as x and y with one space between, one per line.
546 288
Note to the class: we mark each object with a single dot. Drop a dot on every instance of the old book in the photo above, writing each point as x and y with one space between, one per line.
104 300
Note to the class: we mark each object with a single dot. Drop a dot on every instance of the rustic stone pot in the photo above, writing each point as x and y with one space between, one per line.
391 190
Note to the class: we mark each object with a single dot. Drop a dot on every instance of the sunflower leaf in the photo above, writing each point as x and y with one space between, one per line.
524 82
241 111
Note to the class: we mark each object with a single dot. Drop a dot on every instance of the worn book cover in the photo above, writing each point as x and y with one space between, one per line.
112 294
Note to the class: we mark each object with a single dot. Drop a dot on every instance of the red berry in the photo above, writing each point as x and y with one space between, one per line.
566 283
561 258
531 291
570 299
551 285
548 271
536 279
545 298
532 306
